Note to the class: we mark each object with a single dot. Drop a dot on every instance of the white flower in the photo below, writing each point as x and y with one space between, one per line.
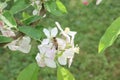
67 55
71 34
61 43
65 48
22 45
6 31
46 56
69 49
50 33
62 32
98 2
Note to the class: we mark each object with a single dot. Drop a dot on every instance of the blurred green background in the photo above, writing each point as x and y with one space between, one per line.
90 22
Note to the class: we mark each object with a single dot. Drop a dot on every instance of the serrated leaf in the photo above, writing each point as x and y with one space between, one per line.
110 35
31 19
8 18
32 32
61 6
52 7
29 73
4 39
18 6
64 74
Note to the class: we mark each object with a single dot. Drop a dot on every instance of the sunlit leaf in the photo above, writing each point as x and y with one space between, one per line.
61 6
29 73
110 35
64 74
34 33
4 39
8 18
52 7
19 5
25 15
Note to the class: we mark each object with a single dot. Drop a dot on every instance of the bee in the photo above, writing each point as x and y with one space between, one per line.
55 43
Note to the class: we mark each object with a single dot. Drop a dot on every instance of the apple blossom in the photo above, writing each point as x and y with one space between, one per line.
6 31
20 44
46 56
50 56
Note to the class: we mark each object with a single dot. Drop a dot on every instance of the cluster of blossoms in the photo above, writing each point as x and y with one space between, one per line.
86 2
21 44
57 49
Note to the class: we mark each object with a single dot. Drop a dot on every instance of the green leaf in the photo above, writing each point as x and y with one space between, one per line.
52 7
18 6
25 15
29 73
64 74
31 19
110 35
4 39
61 6
8 18
32 32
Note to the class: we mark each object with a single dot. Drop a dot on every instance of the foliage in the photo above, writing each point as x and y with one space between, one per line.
90 22
110 35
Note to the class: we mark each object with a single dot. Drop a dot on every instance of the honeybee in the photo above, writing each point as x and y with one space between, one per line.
55 43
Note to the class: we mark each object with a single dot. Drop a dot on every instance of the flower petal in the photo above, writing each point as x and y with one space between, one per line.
12 46
50 63
45 41
70 60
46 32
54 32
24 44
62 60
39 60
68 53
61 43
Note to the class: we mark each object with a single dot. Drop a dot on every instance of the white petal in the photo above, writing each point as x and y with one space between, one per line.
45 41
62 60
68 53
50 63
42 49
54 32
59 27
25 40
70 62
98 2
24 48
12 45
7 33
46 32
39 60
62 32
61 44
24 45
50 53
